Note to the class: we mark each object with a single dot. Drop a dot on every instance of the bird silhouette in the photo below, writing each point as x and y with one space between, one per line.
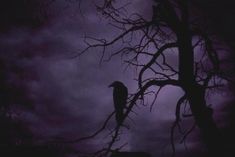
120 93
108 3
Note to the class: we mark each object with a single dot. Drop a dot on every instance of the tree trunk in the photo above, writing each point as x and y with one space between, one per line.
196 95
204 120
195 92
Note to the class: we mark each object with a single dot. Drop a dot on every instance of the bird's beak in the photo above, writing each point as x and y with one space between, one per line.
111 85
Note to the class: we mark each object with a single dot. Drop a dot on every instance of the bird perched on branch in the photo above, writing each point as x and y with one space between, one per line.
120 93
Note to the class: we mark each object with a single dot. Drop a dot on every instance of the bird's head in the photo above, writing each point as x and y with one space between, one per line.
116 84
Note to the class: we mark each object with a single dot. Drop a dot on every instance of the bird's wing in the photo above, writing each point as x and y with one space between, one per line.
124 95
120 97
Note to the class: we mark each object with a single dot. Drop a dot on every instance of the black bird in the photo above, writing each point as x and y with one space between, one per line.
120 93
108 3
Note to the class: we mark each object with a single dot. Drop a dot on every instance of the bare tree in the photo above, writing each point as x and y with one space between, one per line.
172 28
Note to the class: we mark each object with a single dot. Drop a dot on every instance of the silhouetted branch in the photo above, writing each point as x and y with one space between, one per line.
155 98
152 61
176 122
188 132
90 136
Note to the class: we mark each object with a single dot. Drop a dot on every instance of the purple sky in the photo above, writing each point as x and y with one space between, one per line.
71 98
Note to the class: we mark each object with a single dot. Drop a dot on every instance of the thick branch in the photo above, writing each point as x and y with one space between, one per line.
152 61
159 83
